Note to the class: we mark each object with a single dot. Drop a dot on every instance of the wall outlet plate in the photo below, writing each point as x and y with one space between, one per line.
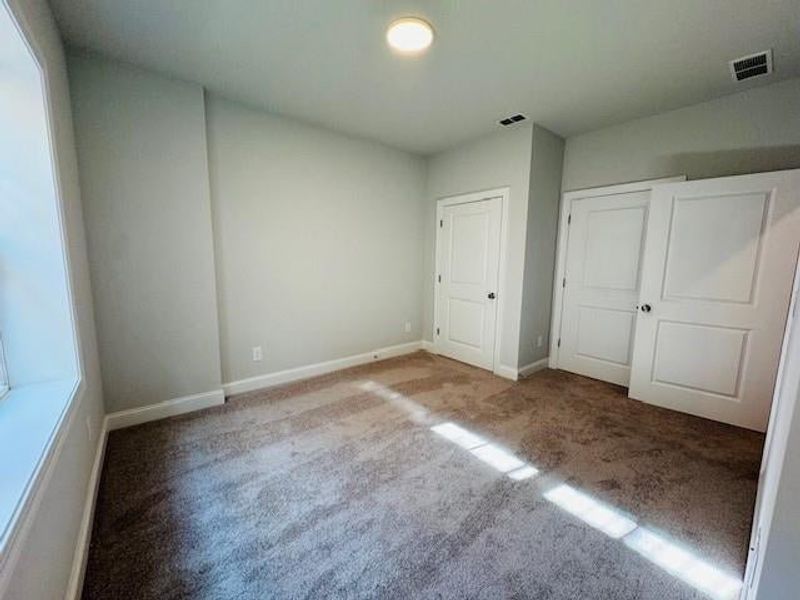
258 354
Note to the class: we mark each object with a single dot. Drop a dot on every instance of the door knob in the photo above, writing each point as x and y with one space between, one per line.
491 296
646 308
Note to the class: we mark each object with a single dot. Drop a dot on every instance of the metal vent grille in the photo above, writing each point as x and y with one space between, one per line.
753 65
512 119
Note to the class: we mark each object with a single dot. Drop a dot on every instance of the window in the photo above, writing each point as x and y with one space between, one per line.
39 346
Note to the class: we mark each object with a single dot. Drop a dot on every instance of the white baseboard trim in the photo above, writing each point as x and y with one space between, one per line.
162 410
75 585
429 347
287 376
506 372
538 365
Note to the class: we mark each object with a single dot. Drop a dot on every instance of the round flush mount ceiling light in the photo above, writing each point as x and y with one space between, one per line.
410 35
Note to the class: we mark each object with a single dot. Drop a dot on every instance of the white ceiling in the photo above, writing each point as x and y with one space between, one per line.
571 65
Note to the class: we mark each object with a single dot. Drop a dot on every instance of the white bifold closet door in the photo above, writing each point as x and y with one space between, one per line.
716 282
601 284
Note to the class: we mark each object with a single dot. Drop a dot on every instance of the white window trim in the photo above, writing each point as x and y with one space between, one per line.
63 396
4 384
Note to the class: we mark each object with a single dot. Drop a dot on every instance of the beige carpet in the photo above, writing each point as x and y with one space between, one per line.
419 477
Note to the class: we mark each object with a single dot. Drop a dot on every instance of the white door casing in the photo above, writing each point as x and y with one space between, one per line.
716 278
785 398
468 264
601 241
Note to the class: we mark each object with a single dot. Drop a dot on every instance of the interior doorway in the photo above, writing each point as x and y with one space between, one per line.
469 251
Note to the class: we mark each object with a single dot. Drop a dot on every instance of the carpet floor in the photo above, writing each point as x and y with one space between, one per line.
419 477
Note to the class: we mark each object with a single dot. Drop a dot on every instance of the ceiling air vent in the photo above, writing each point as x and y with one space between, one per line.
753 65
512 119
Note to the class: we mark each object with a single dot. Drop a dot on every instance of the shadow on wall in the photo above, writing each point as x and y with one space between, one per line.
724 163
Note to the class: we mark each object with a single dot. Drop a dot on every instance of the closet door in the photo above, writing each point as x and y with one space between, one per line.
601 284
716 281
468 242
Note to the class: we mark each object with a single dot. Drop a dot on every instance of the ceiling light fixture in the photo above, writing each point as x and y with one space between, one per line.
410 35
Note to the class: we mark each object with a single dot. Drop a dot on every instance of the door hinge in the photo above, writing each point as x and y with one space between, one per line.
441 222
569 218
558 345
437 331
564 282
440 279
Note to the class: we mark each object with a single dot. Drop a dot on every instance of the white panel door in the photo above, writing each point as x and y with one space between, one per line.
468 243
717 277
601 284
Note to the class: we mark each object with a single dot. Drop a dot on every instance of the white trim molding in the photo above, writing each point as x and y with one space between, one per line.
162 410
75 585
782 419
13 535
533 367
506 372
295 374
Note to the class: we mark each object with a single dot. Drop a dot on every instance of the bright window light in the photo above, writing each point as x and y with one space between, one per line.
497 457
416 412
458 435
683 564
592 512
523 473
410 35
492 455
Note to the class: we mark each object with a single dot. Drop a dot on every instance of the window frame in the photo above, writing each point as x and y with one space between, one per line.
5 385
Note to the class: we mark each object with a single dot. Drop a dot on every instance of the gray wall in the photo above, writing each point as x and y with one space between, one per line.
319 241
38 564
143 166
502 159
547 158
756 130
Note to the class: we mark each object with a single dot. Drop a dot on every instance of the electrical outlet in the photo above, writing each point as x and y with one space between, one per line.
258 354
408 327
539 341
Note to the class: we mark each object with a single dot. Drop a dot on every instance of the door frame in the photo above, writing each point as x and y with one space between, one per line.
441 203
567 198
785 400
